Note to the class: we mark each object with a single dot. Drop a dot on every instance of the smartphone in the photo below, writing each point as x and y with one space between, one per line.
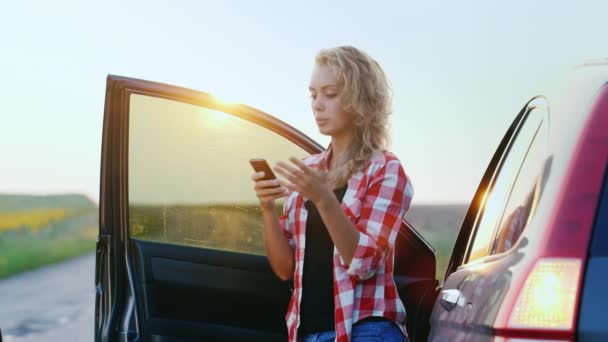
261 165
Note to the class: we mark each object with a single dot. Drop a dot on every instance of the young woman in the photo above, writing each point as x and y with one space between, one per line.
343 210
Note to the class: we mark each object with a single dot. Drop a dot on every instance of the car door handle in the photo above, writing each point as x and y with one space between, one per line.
450 298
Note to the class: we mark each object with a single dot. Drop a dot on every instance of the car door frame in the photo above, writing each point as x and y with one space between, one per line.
468 230
115 303
459 264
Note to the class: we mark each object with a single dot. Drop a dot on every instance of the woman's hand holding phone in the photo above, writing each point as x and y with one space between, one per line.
267 186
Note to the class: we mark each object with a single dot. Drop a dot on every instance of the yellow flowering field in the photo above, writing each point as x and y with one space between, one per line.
33 219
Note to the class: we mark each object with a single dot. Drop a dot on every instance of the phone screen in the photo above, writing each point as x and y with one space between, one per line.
259 164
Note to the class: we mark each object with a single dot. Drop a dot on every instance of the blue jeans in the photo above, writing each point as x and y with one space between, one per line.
371 331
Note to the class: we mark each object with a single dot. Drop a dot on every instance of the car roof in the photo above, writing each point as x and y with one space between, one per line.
570 105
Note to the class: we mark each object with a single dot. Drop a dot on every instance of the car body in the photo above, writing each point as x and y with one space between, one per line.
532 267
180 254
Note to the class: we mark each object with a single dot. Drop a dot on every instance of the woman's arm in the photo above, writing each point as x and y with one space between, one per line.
313 185
362 242
279 252
342 231
387 199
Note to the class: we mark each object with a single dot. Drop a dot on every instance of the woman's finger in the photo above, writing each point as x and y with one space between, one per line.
272 197
303 167
257 175
266 183
290 175
271 191
293 170
289 186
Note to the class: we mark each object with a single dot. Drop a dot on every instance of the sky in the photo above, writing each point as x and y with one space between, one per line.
460 71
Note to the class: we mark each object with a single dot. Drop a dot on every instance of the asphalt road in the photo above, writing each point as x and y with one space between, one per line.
54 303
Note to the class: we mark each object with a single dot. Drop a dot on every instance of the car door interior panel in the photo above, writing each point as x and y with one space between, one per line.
217 295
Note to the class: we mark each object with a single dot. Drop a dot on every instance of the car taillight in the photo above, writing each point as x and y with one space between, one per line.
548 298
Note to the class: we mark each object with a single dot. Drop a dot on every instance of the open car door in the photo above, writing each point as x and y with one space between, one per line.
180 254
479 272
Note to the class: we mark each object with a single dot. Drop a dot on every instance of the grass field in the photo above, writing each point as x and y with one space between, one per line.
18 255
32 219
240 228
39 231
439 225
33 233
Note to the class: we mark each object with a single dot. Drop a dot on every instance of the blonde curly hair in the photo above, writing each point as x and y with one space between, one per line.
366 95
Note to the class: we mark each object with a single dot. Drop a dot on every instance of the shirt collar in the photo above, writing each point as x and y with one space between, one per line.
325 155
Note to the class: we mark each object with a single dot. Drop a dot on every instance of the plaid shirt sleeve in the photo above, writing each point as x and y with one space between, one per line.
386 202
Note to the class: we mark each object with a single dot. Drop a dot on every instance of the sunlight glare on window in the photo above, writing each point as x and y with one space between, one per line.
214 119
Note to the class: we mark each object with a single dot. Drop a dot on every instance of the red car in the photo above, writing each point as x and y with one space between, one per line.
180 254
530 260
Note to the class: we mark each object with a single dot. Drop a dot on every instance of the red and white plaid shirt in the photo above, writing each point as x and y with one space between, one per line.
376 201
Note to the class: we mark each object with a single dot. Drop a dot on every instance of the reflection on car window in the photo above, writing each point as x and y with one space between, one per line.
499 193
524 196
189 175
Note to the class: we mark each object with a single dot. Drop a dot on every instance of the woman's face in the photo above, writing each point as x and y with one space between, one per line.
325 99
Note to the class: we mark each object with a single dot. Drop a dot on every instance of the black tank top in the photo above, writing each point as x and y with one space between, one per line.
317 306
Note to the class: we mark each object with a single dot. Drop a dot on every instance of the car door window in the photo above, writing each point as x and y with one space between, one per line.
499 193
189 178
526 192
